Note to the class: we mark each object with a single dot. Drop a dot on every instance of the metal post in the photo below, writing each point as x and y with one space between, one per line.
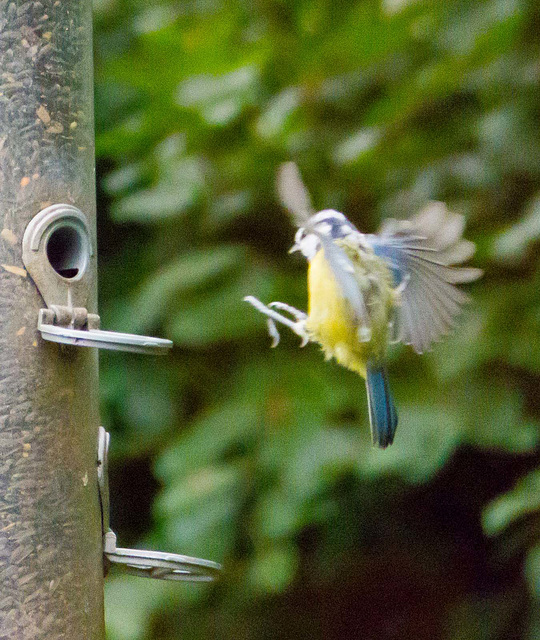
50 525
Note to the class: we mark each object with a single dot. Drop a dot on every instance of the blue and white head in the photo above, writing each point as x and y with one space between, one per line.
328 222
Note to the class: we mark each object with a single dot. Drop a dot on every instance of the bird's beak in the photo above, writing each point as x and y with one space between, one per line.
295 247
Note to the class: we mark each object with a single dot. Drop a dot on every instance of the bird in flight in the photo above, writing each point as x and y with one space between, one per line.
366 291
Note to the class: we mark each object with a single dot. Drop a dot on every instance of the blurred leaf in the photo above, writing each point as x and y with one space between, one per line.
227 208
220 99
522 500
356 146
511 244
426 438
532 571
493 413
278 515
196 487
263 457
273 569
145 399
179 188
318 461
198 511
208 439
221 314
190 271
274 120
123 179
131 603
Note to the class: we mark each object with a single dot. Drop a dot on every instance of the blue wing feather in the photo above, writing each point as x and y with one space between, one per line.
422 254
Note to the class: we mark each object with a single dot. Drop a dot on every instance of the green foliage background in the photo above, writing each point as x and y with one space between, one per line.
261 458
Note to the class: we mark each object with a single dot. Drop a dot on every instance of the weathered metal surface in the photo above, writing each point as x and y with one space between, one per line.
51 582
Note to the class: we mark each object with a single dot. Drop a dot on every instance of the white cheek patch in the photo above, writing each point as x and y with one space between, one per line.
309 246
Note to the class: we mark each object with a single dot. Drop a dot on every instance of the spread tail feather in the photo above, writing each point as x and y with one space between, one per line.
382 412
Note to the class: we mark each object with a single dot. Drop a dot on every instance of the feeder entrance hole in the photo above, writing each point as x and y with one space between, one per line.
67 251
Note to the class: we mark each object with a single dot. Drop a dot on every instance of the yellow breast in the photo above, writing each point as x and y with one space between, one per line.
330 320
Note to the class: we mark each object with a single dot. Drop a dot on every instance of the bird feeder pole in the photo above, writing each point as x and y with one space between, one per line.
51 551
54 499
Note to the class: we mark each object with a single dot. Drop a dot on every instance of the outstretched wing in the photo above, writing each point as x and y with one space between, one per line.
293 193
423 253
295 198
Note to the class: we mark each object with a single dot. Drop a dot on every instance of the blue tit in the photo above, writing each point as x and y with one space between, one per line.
366 291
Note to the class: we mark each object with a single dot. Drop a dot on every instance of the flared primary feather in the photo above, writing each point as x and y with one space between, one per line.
293 193
424 254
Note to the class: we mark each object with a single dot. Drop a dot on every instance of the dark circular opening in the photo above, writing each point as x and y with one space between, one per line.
66 251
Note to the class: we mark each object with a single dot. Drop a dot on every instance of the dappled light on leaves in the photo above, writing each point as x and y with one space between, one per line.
261 457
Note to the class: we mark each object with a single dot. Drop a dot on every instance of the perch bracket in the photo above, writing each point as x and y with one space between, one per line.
149 564
59 256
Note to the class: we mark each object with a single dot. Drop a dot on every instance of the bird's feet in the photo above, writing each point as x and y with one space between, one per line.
298 325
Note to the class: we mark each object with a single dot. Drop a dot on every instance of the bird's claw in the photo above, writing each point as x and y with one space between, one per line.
296 313
274 333
303 334
298 326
